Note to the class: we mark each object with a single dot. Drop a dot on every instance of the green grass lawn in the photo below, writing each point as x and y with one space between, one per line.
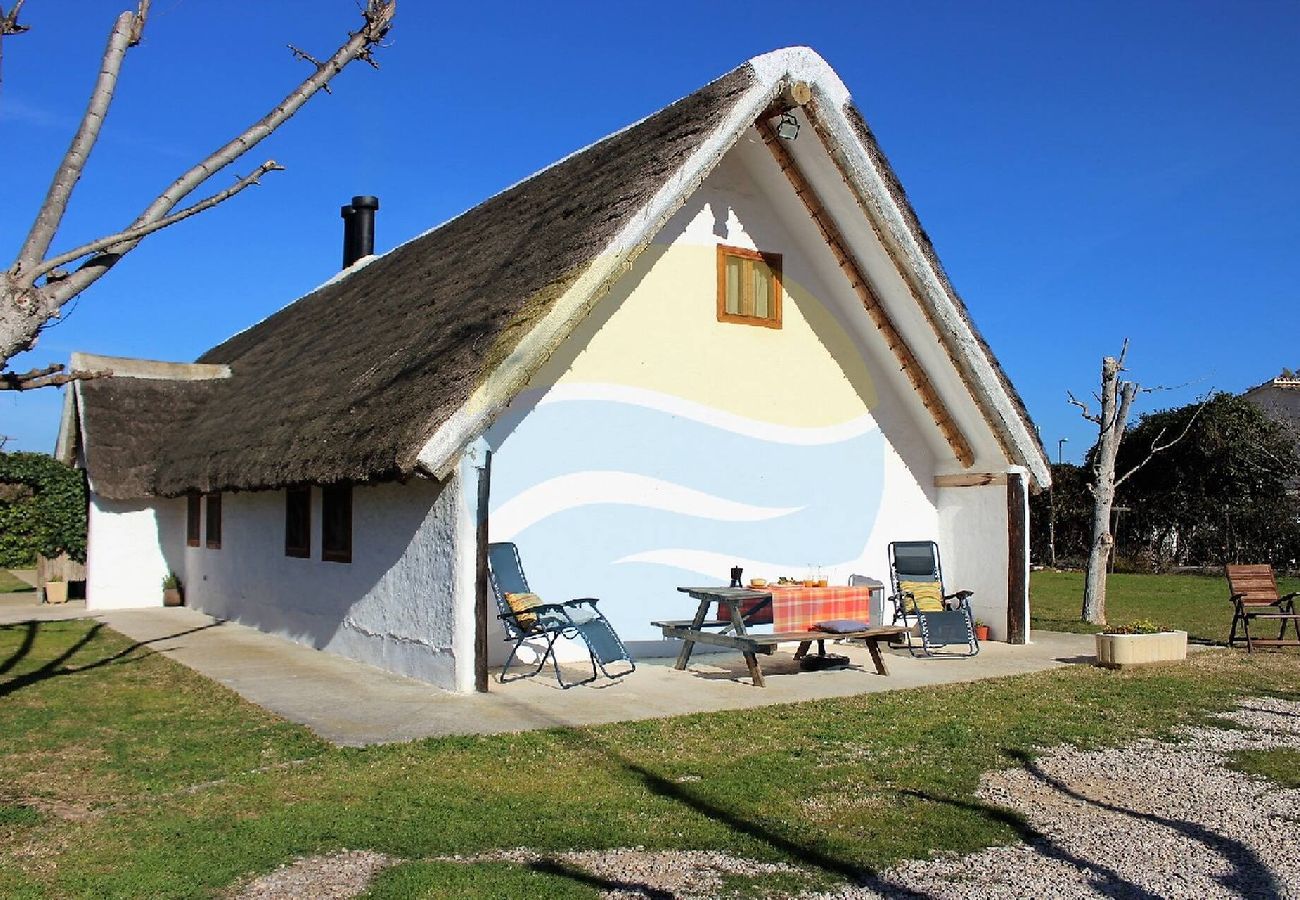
1193 603
10 583
124 774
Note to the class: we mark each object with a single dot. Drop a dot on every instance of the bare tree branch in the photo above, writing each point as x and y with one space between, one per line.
378 15
25 308
135 234
125 34
9 21
304 55
47 377
1156 446
1083 407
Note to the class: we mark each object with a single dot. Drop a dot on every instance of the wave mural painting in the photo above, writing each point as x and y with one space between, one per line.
622 518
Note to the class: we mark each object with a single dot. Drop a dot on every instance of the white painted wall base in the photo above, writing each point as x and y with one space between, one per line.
131 546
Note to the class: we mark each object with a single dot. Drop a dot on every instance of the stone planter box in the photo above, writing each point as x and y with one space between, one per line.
56 592
1117 651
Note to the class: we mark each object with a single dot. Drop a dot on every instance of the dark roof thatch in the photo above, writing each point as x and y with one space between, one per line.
349 382
129 423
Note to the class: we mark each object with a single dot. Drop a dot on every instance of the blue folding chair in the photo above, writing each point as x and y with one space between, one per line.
943 620
548 622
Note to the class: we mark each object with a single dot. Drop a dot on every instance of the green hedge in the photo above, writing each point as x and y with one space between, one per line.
42 509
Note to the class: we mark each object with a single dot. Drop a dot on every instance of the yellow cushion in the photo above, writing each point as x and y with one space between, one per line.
928 594
521 604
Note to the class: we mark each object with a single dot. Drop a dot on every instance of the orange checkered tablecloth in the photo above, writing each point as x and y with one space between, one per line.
799 608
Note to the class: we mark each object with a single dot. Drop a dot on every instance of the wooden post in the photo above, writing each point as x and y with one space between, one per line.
1017 568
481 578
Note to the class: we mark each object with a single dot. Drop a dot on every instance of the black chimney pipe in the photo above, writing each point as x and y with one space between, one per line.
359 228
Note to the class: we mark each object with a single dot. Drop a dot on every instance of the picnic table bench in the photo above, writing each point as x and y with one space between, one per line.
695 631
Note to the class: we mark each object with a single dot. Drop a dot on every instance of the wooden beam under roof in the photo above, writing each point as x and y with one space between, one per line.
830 232
909 278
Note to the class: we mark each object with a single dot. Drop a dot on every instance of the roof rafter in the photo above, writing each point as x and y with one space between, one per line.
910 365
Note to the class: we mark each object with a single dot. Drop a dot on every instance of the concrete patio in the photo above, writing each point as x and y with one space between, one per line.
353 704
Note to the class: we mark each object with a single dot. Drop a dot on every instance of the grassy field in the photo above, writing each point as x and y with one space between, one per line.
125 774
9 583
1193 603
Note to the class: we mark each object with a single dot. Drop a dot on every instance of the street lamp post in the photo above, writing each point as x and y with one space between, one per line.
1051 509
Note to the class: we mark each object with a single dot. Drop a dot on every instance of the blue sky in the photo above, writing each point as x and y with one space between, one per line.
1088 172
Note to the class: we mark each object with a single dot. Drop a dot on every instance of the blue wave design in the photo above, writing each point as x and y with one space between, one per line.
573 552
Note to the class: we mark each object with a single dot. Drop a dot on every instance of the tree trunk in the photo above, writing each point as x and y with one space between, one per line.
1116 400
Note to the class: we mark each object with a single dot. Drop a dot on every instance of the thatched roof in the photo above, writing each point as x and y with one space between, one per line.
421 347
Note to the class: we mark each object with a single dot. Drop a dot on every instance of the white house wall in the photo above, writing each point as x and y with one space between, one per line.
973 541
660 447
131 546
390 607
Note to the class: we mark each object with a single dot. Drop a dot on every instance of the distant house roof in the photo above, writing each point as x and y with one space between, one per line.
390 368
1279 399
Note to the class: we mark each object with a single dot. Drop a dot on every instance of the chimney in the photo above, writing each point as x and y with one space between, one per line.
359 229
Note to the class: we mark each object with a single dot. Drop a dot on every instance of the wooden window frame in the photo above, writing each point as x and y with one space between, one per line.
773 262
212 500
302 551
193 520
330 494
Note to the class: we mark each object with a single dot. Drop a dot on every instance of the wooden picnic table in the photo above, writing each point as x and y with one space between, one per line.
744 605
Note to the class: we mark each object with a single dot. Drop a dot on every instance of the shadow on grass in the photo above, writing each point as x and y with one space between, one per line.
582 876
802 853
55 667
29 638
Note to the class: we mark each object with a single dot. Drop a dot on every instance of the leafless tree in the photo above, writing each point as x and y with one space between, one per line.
1116 402
38 284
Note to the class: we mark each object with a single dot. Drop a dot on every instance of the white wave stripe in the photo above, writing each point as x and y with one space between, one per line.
708 415
565 492
716 565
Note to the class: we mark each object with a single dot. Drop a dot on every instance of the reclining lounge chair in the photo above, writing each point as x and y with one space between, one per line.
943 620
525 617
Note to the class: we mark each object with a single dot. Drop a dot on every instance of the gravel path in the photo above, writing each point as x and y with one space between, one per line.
1154 819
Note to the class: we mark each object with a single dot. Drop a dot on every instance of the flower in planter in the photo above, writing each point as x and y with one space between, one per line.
1138 626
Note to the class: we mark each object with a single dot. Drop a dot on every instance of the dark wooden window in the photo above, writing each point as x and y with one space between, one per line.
749 287
214 521
336 522
297 522
193 519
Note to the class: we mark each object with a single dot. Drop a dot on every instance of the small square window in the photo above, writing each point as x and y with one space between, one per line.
297 522
336 522
749 287
214 521
193 519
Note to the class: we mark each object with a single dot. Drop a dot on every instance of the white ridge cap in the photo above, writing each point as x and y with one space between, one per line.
800 64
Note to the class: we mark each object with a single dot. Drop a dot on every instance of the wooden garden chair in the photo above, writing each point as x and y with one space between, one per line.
1254 595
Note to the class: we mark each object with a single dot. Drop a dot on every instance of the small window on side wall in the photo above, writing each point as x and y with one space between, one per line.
749 287
297 522
336 522
193 519
214 521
